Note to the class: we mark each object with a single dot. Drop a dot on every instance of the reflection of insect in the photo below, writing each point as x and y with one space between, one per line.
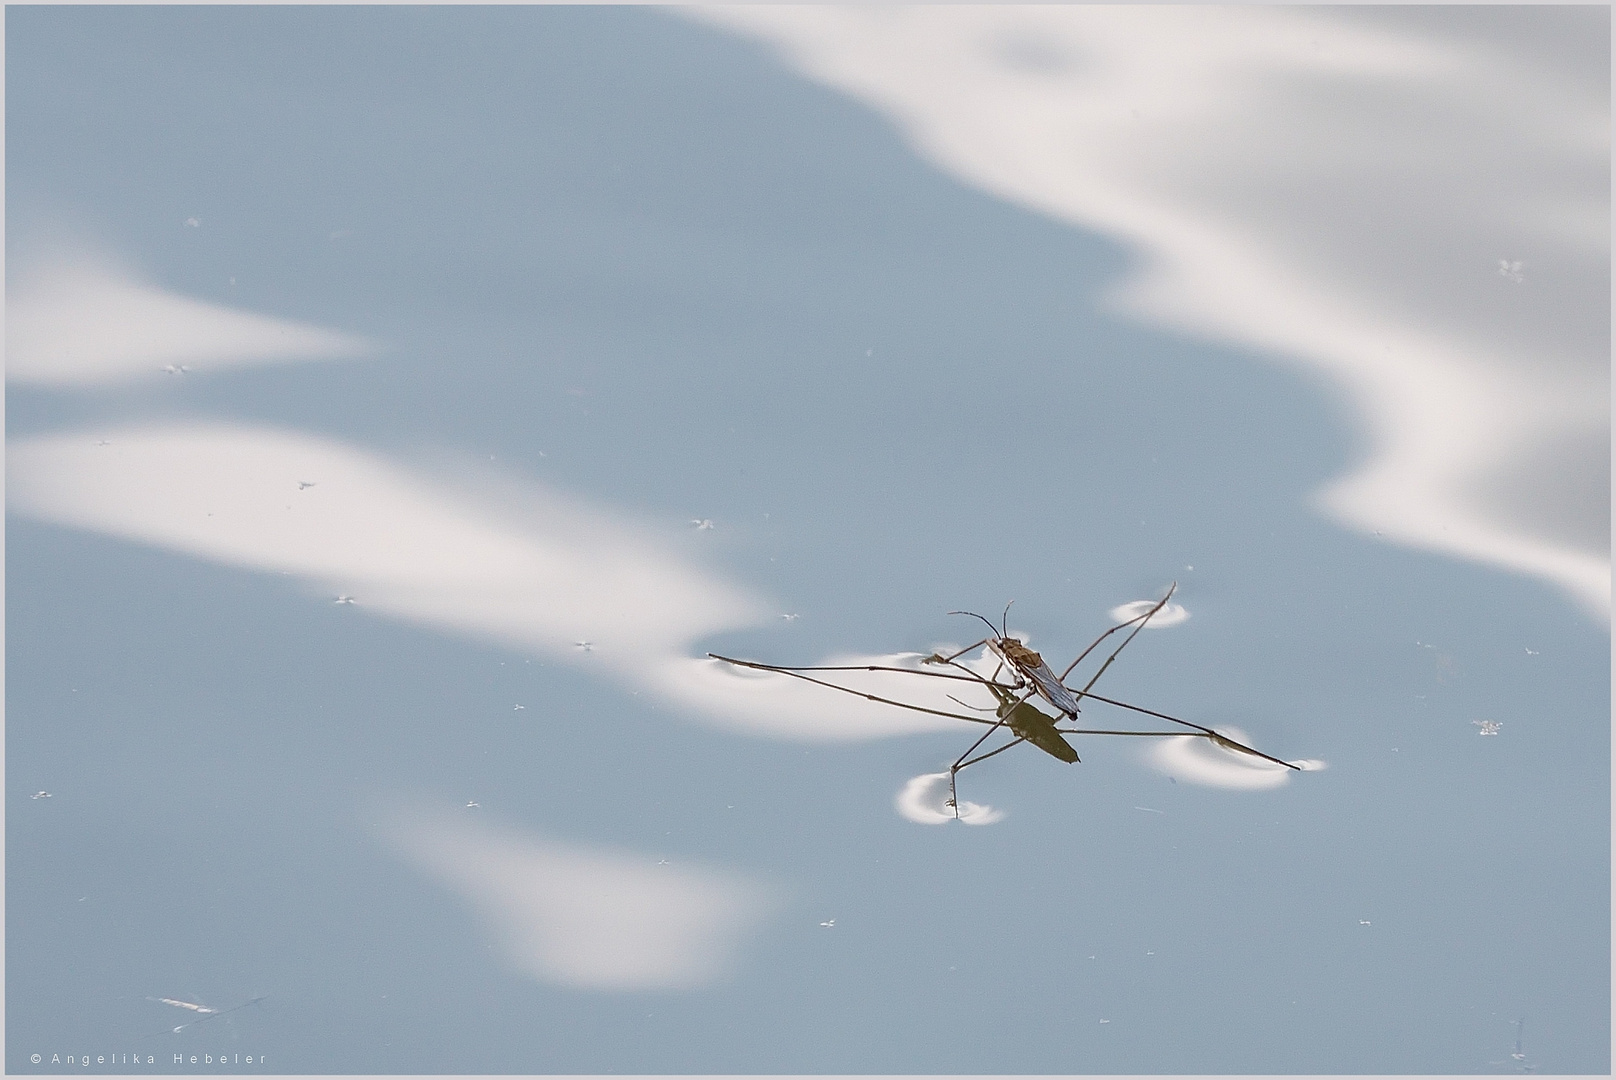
205 1012
1026 675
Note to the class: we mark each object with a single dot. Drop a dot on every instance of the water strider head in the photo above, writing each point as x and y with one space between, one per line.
1026 664
1012 651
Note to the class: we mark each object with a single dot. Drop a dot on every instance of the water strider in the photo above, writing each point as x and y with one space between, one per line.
1029 676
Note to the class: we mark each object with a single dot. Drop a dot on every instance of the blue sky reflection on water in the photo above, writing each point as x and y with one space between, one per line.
561 285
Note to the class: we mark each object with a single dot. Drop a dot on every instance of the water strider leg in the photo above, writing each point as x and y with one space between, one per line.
1147 616
796 673
1222 740
953 791
990 753
935 659
960 763
1095 644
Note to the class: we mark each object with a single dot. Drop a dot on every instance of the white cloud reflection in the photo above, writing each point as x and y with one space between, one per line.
517 565
80 321
1358 239
924 799
1201 761
586 917
466 552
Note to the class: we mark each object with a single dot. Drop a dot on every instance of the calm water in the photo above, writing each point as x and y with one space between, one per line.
622 275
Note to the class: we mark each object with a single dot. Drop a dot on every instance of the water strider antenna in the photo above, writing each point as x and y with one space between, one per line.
974 615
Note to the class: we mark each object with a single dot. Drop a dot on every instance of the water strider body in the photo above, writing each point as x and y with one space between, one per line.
1031 676
1031 668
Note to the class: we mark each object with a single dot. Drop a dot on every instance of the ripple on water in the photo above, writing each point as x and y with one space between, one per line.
1169 615
1201 761
924 799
